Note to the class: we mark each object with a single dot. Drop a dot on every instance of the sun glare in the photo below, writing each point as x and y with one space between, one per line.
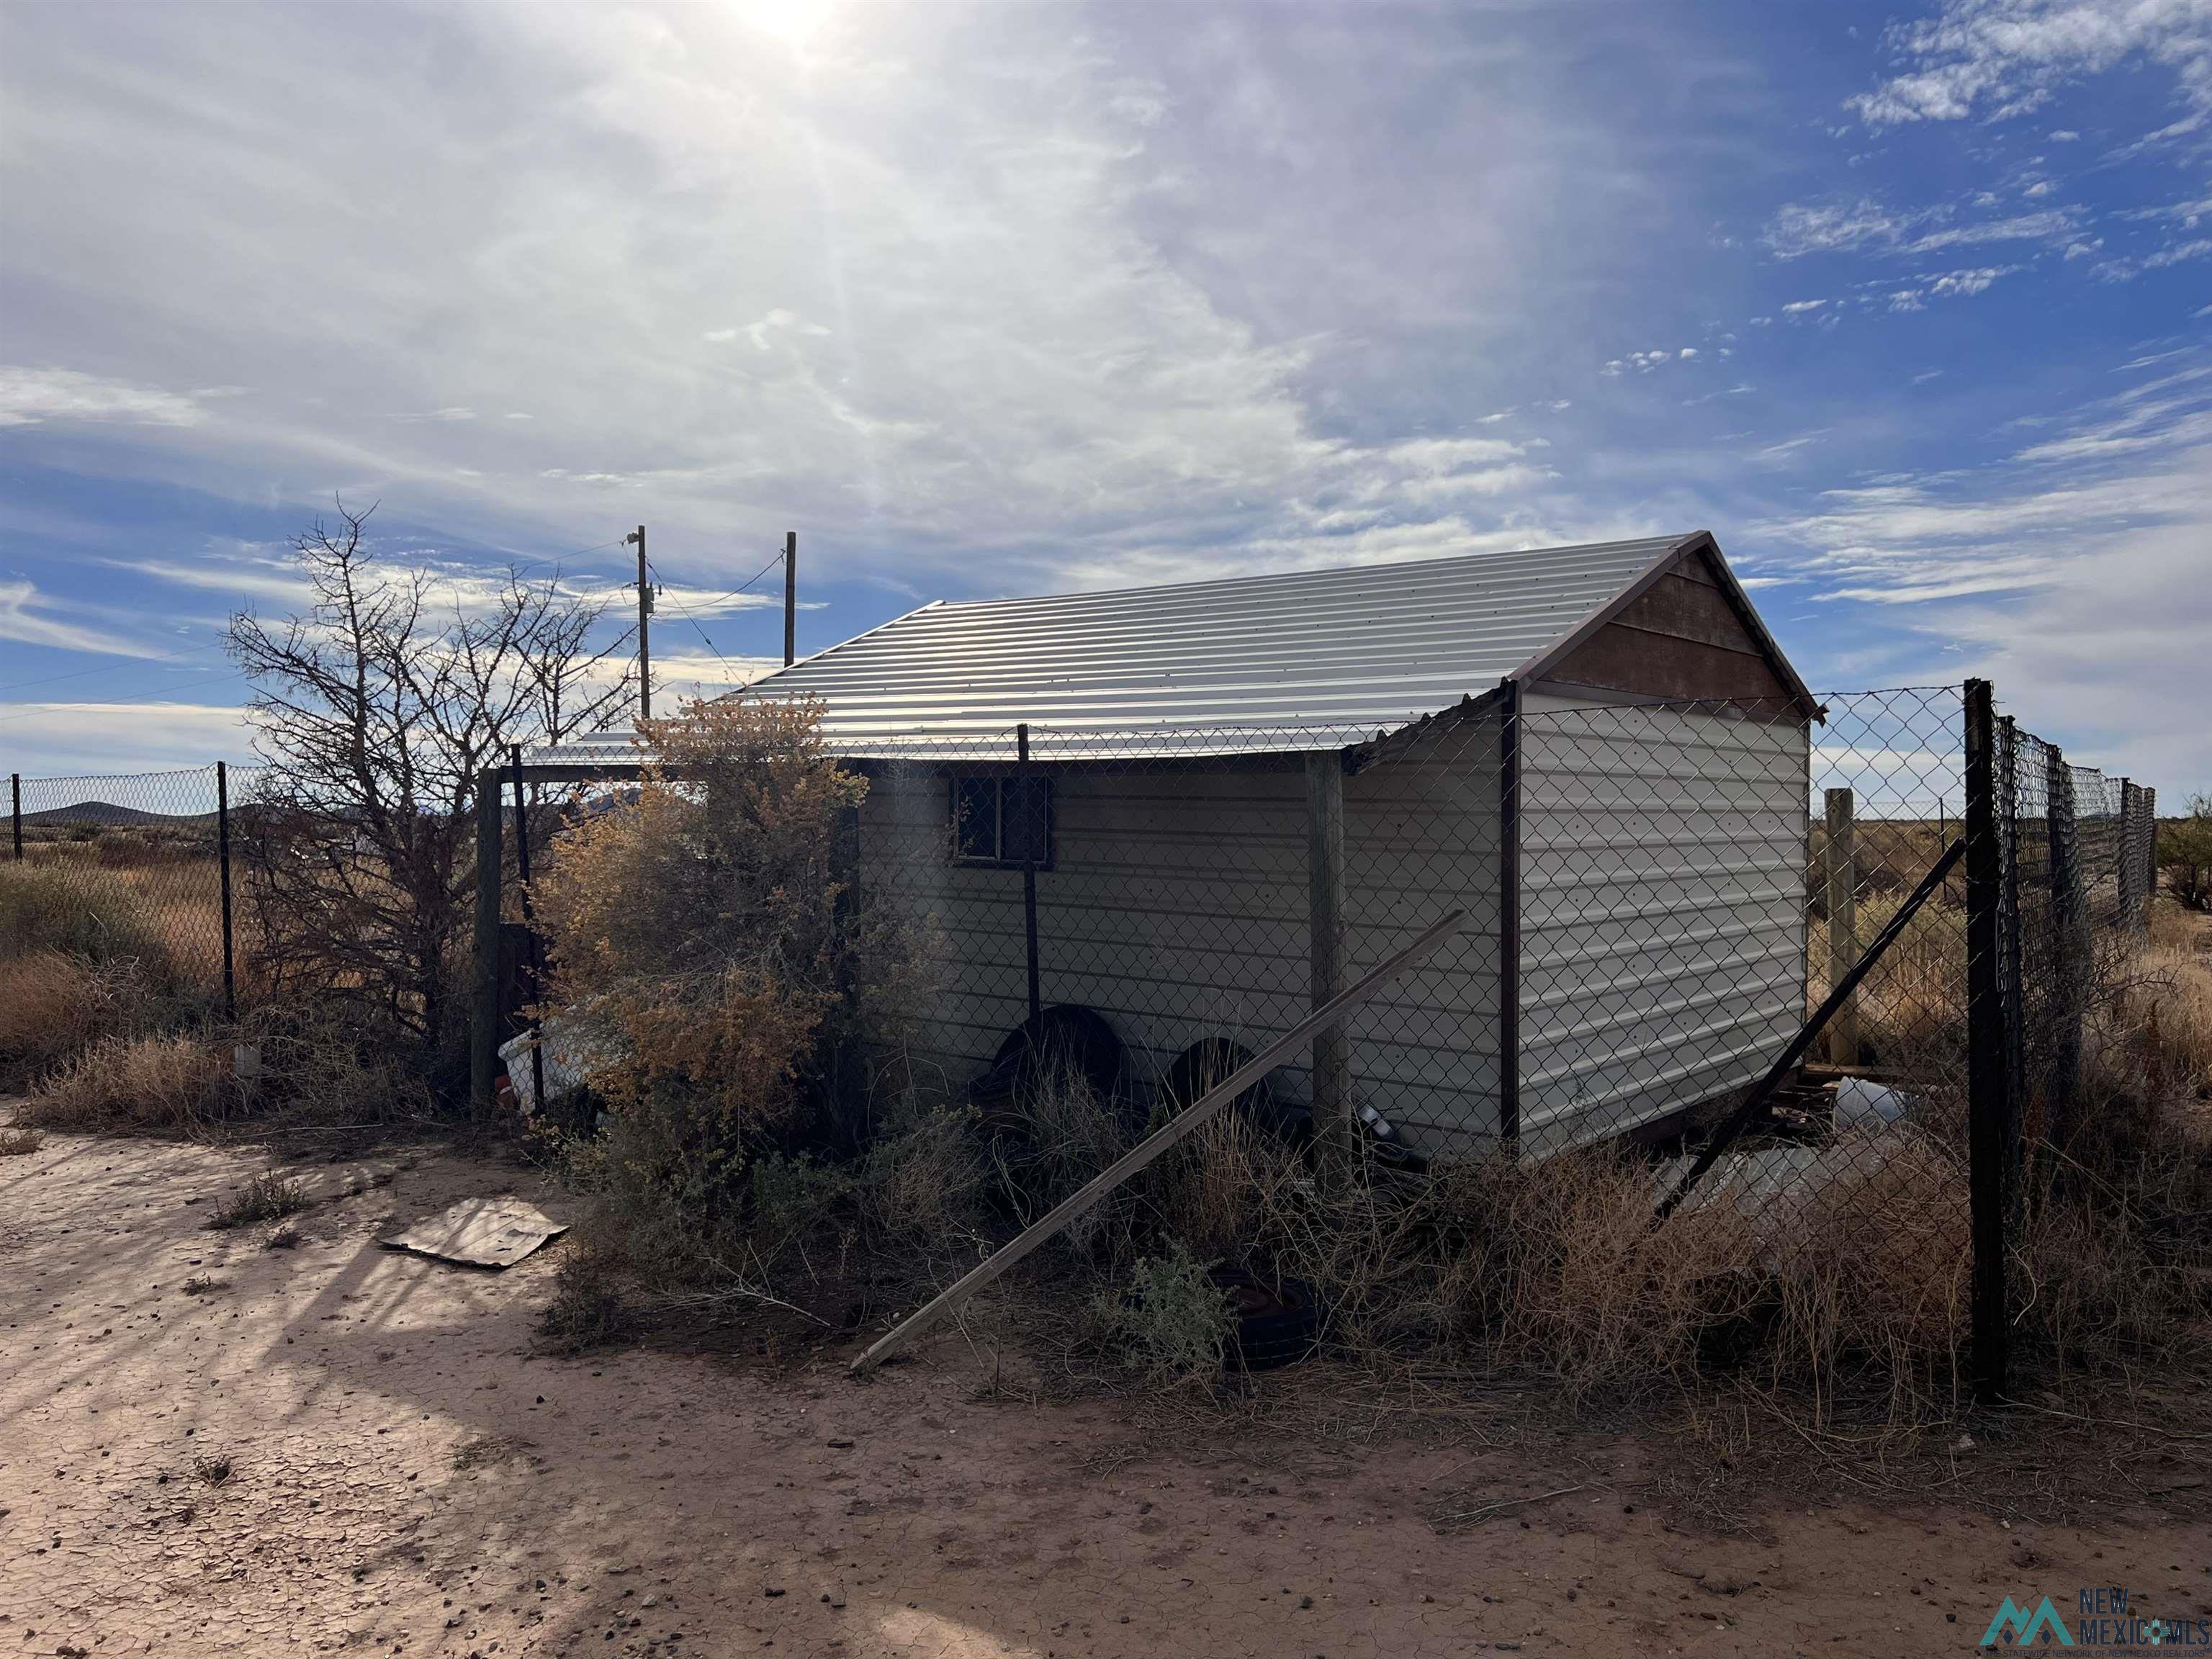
795 23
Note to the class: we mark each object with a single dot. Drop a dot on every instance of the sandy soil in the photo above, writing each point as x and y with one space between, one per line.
406 1476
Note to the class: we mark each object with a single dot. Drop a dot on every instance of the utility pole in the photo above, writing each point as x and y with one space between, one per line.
790 597
644 644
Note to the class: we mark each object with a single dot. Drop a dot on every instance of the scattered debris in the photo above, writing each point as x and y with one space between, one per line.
480 1232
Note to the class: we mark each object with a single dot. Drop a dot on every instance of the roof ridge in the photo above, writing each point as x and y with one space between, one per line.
1673 539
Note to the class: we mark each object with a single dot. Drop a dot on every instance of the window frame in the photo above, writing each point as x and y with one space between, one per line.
1003 783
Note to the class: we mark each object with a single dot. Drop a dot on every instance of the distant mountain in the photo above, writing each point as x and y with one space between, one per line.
106 815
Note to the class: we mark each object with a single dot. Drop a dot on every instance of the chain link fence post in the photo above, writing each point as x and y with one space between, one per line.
1988 1079
1332 1063
2068 947
15 811
222 855
2150 846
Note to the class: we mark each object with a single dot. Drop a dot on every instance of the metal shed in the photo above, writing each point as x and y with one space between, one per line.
1211 805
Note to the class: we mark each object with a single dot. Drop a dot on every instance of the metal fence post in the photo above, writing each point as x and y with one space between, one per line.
1024 797
2128 873
483 1038
2150 846
1509 914
1332 1080
1841 859
1988 1085
2068 948
15 808
223 855
2010 963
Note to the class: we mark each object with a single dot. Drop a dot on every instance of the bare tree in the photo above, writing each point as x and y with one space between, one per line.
376 710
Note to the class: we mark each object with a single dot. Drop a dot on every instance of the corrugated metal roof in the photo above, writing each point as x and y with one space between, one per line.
1308 660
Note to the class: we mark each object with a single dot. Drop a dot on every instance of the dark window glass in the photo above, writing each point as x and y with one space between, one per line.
976 817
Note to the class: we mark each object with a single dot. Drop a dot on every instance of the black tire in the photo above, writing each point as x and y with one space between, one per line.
1279 1321
1206 1063
1066 1036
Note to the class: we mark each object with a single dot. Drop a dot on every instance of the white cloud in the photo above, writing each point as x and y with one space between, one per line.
28 396
2071 571
24 617
1800 228
1998 59
71 739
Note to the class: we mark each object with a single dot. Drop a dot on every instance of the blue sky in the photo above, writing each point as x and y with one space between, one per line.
1912 306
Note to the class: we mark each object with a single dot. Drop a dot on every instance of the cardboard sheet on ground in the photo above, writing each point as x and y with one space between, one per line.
480 1232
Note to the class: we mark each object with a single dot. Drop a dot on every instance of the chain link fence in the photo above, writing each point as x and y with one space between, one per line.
1734 935
1805 961
131 866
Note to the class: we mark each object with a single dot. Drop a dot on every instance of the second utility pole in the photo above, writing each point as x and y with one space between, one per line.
790 597
644 645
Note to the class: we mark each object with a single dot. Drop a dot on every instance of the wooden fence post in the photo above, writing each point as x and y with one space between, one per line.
483 1037
1989 1085
1332 1070
1842 862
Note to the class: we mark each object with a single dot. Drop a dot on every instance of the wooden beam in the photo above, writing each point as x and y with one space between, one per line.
1183 1125
483 1034
1331 1056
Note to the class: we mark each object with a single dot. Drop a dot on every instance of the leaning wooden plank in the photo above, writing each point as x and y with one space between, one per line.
1184 1123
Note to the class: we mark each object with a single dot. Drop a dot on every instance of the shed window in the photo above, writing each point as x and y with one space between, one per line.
1001 820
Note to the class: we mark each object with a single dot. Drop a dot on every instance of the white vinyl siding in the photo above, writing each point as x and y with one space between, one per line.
1176 908
1420 840
1662 916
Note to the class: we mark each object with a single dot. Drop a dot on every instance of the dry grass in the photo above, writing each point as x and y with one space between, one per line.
53 1007
264 1198
181 1082
20 1143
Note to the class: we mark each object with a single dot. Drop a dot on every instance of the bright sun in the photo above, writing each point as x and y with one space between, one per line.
793 21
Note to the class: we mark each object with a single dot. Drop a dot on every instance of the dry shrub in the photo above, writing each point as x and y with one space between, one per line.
264 1198
54 1006
2115 1256
20 1143
316 1068
1171 1323
706 930
174 1082
587 1311
920 1189
1850 1290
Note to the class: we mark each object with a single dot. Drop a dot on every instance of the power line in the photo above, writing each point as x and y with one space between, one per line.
79 673
757 575
684 610
46 711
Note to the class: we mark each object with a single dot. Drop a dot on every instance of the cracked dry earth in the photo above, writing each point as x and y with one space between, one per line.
209 1446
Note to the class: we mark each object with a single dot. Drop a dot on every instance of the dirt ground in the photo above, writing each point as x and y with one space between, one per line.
334 1446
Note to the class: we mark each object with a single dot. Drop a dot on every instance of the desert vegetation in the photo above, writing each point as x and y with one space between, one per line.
752 1154
763 1159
